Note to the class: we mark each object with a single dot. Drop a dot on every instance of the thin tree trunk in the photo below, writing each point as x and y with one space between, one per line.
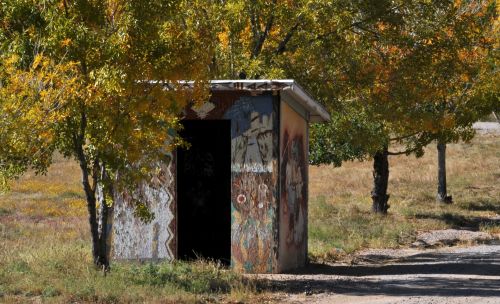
98 237
380 181
442 193
100 259
103 233
103 220
91 207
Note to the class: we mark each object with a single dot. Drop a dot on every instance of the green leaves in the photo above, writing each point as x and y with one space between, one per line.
74 76
385 69
413 68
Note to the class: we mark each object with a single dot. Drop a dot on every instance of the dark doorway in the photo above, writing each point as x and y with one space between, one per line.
204 191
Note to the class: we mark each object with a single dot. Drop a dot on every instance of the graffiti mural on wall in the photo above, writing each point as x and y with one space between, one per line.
254 174
252 222
134 239
293 185
251 134
254 189
254 182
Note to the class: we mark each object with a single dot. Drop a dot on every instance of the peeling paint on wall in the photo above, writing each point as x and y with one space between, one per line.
134 239
254 182
254 189
293 188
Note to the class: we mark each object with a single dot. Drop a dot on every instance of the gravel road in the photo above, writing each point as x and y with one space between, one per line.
452 275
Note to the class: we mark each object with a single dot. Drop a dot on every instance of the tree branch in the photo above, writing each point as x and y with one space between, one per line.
359 25
65 8
403 152
262 36
423 140
403 137
254 23
282 46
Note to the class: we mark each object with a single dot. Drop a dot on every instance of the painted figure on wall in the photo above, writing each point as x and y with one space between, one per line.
251 134
293 189
253 182
293 185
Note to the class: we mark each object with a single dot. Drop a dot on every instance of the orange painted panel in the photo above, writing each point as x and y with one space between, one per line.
293 189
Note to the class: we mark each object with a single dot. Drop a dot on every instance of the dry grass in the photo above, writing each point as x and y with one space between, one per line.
340 219
45 254
45 245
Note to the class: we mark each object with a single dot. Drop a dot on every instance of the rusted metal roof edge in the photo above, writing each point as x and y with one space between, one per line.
317 112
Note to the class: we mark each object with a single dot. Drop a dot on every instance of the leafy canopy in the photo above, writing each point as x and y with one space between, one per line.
425 70
87 79
386 69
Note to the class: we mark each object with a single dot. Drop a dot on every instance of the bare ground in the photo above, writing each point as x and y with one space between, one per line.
452 275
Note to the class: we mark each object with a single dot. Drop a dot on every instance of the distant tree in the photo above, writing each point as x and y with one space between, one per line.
87 79
383 68
471 84
417 80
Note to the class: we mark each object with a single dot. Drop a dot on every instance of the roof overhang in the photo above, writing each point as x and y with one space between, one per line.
317 113
290 88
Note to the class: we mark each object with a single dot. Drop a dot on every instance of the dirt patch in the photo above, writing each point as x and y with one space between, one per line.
411 276
451 237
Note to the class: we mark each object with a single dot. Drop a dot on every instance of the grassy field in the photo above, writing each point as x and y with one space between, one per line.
340 220
45 254
45 244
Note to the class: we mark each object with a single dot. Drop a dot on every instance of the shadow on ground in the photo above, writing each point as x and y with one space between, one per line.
483 205
457 221
426 274
423 286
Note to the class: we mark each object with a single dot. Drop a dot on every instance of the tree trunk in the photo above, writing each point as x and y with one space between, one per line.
442 194
103 232
99 253
98 242
103 218
92 212
380 181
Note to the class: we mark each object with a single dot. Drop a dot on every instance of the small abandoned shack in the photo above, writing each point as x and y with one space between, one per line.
239 194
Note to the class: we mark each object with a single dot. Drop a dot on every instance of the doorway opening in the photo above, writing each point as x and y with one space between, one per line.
204 191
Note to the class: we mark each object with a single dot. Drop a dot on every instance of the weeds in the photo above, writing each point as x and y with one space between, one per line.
45 244
340 219
45 254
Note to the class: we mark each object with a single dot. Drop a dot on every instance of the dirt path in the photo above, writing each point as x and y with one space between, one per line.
411 276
